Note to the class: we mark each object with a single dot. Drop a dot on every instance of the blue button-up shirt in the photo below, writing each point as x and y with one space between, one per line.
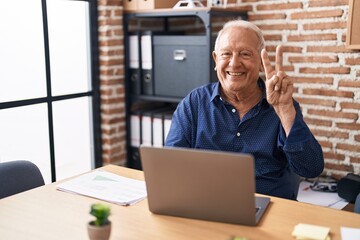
203 120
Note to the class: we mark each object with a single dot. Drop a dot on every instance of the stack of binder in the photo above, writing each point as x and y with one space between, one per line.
150 127
140 63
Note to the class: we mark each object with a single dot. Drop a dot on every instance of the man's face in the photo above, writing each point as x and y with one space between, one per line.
237 59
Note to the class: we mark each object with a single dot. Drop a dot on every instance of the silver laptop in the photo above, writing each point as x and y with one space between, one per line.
202 184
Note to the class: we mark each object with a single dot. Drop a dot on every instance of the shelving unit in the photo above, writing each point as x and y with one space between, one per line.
190 30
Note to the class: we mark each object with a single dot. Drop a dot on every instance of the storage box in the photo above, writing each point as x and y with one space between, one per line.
180 64
154 4
131 4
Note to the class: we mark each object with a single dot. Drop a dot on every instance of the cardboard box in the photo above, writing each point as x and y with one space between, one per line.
155 4
131 4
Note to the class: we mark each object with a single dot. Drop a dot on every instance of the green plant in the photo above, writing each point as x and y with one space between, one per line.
101 212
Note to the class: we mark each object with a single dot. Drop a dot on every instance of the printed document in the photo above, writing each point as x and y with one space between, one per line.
106 186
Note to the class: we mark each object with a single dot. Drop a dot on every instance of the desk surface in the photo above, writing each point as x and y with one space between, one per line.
46 213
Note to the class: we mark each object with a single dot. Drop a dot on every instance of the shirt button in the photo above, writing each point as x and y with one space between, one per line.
238 134
233 110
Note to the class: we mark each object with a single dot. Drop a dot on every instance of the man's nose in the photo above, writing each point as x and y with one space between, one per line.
235 60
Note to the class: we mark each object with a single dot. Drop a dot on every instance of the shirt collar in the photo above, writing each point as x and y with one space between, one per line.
216 90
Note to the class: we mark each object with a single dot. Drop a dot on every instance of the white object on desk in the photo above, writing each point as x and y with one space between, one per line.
350 233
325 199
106 186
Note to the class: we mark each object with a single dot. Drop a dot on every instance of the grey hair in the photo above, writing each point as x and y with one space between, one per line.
242 24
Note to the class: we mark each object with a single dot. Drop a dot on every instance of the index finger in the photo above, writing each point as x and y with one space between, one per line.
279 58
266 63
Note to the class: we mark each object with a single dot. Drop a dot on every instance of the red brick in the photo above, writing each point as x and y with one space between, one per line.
340 167
354 160
350 105
331 49
325 25
352 61
274 37
330 134
321 3
113 42
316 101
326 70
254 17
318 122
286 49
317 14
350 126
311 37
320 80
112 52
112 62
110 2
285 26
333 114
313 59
334 156
325 144
348 147
349 83
282 6
325 92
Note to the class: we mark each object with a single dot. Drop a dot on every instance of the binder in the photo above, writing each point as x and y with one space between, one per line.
147 63
134 63
161 127
158 129
135 127
167 124
146 129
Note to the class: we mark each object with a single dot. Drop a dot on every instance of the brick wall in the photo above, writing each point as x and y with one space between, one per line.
326 74
112 81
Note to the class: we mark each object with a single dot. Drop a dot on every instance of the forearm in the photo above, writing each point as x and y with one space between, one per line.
287 116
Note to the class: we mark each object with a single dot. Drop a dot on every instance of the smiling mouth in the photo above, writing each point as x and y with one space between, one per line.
235 73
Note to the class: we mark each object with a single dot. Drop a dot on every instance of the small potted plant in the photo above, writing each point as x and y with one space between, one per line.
100 228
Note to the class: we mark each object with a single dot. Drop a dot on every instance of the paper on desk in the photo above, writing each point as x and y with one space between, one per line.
350 233
311 232
107 186
325 199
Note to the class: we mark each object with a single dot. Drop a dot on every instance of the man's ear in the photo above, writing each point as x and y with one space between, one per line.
214 56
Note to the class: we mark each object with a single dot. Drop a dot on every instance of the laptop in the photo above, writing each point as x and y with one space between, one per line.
202 184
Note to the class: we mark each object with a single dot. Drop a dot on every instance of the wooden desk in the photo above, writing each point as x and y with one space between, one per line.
46 213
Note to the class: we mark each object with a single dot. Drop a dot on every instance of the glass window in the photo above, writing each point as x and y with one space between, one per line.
72 128
22 58
25 136
69 41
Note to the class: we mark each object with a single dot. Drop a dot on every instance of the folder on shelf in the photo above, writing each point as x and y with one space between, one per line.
152 131
146 129
167 124
135 127
146 63
150 126
161 126
134 63
158 129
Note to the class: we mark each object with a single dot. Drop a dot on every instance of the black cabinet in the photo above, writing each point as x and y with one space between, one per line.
167 54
